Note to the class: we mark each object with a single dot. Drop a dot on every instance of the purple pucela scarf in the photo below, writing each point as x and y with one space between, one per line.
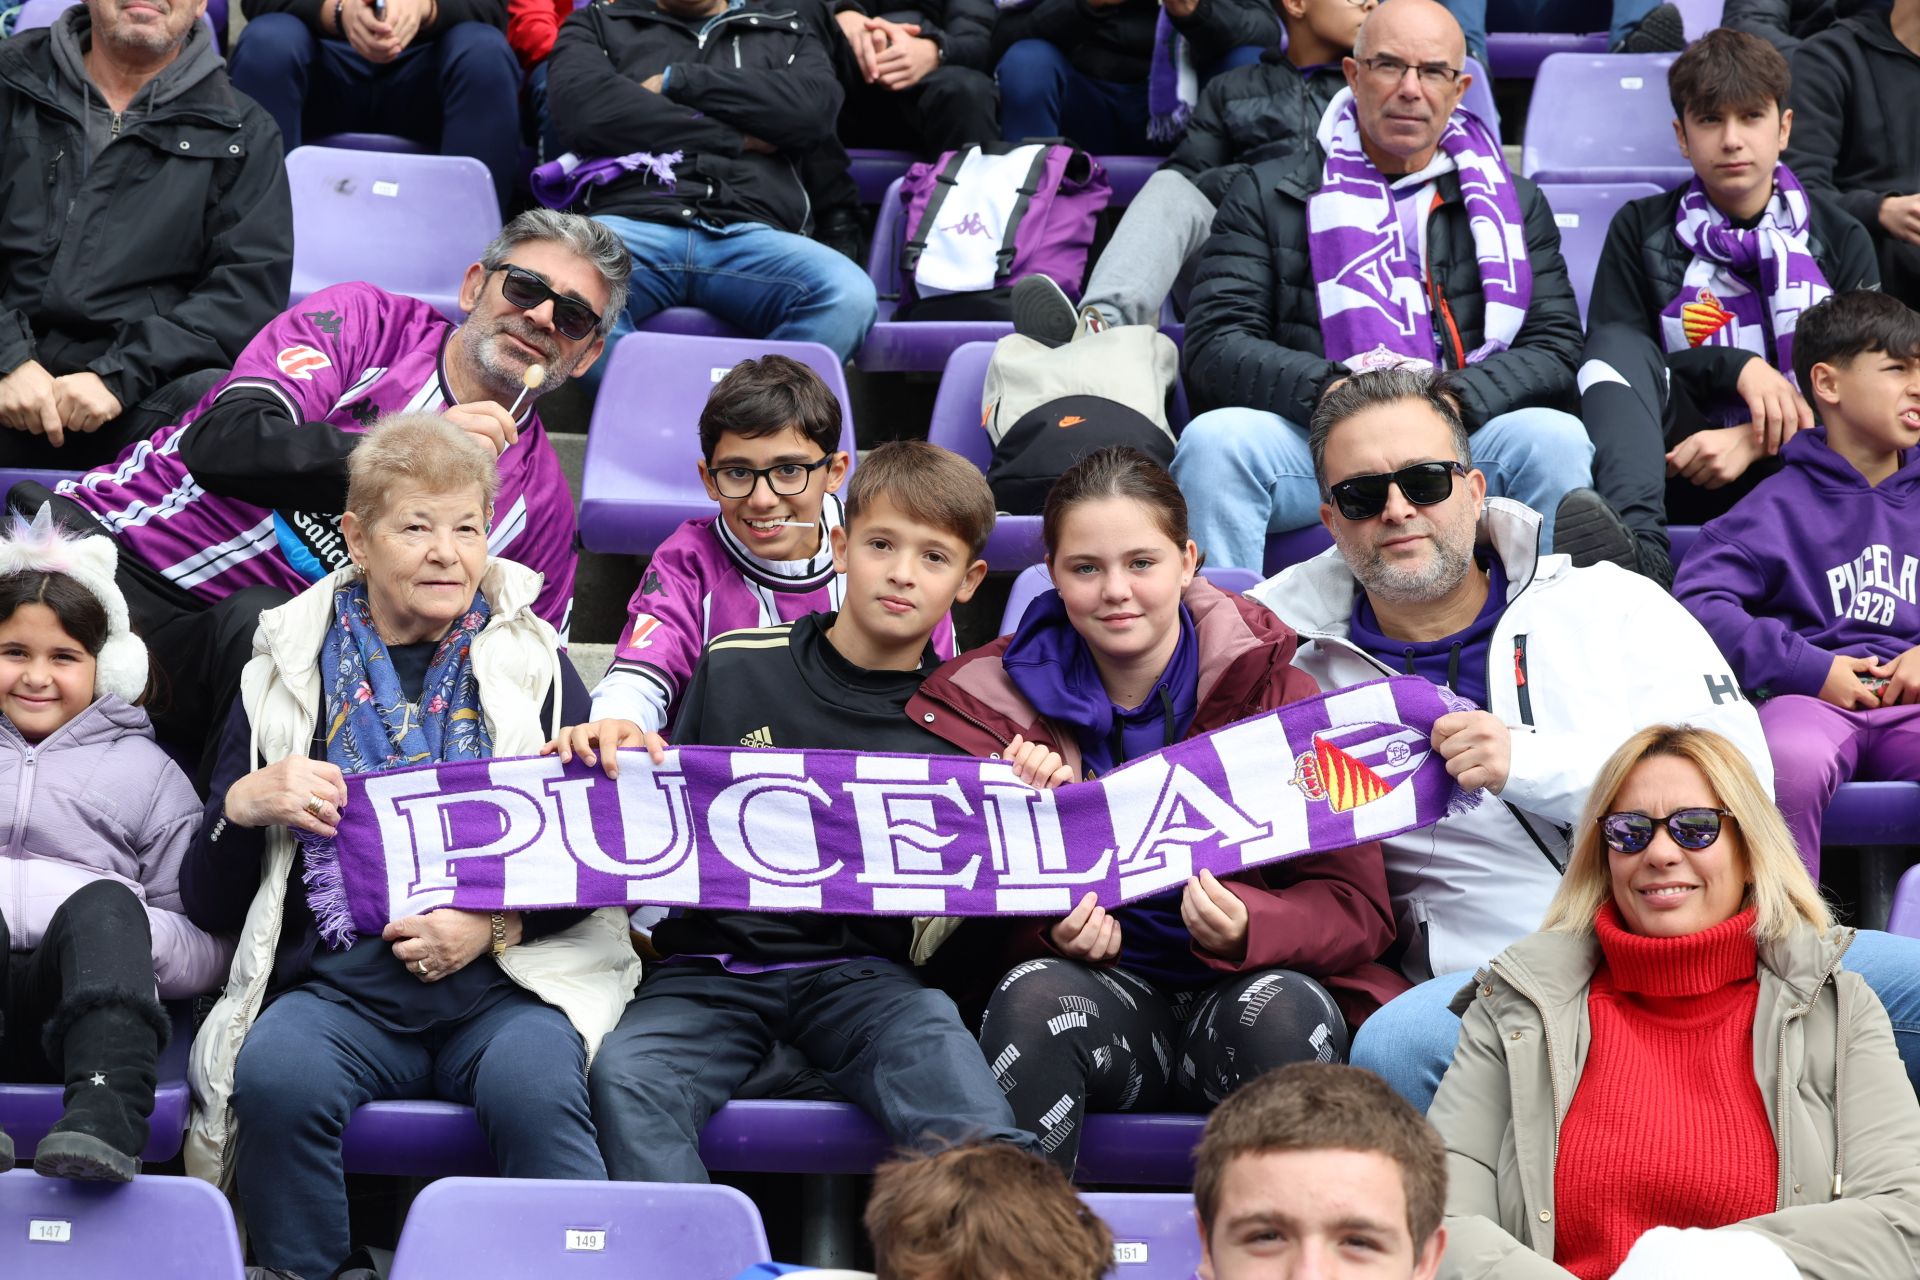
557 184
863 834
1372 288
1716 305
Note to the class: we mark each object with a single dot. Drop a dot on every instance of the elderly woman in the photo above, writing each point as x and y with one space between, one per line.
1676 1072
422 650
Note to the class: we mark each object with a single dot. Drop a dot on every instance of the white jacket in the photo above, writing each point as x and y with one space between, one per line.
1607 653
588 971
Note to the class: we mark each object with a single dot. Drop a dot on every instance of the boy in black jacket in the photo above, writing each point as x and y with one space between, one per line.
840 989
1686 382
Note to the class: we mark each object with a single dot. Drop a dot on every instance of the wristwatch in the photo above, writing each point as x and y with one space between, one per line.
498 921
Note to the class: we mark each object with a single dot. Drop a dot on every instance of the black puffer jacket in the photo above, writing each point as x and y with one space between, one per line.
1268 111
161 256
1644 264
1786 23
1253 326
1856 97
1116 43
752 71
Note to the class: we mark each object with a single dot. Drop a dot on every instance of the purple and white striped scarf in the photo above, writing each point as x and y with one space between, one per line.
557 184
864 834
1371 282
1717 305
1173 86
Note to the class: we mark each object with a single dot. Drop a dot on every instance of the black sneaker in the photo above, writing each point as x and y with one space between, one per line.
1663 30
1591 532
1042 311
839 230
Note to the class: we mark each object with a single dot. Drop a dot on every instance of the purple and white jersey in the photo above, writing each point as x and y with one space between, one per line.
703 582
347 356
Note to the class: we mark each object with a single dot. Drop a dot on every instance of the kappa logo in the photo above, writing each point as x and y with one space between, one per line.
326 322
1355 764
301 361
971 225
761 737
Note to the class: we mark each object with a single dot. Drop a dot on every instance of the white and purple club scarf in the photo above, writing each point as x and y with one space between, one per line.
862 834
1717 305
1371 282
557 184
1173 86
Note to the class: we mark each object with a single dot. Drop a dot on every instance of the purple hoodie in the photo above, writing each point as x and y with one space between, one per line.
97 799
1813 563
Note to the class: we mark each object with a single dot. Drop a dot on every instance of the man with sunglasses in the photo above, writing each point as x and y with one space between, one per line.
1431 577
1401 238
238 507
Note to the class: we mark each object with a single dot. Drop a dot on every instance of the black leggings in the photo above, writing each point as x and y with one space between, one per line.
97 943
1062 1036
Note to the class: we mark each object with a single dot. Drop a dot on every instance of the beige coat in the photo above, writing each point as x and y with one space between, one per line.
1844 1118
588 971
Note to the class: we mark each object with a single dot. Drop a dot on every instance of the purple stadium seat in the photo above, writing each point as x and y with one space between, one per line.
1905 917
640 481
1015 540
157 1228
874 171
1680 540
408 223
442 1139
529 1227
1603 119
689 320
41 13
1583 211
1700 16
1295 545
908 345
1479 99
1865 814
10 476
28 1111
1154 1237
1034 581
1518 54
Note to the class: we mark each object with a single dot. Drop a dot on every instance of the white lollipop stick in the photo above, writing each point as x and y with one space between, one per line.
533 377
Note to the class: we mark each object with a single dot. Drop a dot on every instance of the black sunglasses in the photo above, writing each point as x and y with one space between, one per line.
1693 829
1423 484
525 290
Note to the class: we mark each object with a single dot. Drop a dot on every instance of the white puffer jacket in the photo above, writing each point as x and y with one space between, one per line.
588 972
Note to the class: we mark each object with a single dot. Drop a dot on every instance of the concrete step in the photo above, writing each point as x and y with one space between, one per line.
590 660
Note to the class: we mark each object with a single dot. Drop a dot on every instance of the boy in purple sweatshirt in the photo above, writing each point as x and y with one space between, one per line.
1811 584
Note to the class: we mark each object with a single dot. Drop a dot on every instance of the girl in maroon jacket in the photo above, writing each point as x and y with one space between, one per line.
1174 1000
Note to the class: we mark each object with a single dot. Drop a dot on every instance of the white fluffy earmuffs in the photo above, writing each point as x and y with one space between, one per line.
42 546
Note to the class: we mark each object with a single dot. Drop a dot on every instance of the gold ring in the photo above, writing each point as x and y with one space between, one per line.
315 805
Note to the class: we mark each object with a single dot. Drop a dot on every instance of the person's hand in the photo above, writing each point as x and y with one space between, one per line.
1842 687
600 741
1036 764
1088 933
1715 457
372 38
1180 8
1215 916
1478 748
407 18
1900 215
283 795
907 62
863 37
445 941
84 402
29 401
1903 679
1778 410
486 420
655 83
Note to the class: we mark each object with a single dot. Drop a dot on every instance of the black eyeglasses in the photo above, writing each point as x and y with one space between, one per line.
1390 71
1693 829
525 290
1422 484
784 478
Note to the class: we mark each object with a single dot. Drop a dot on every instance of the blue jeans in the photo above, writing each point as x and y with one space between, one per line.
1576 16
309 1062
761 280
459 93
1409 1043
1247 472
1042 95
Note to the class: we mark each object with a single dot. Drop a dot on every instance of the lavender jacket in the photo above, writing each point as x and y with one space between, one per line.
99 800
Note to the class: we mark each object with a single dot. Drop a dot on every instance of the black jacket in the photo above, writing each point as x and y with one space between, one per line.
161 256
1116 43
491 12
1253 325
1644 264
1268 111
962 28
1856 100
756 71
1788 22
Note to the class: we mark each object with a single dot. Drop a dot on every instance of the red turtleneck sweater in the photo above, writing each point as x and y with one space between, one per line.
1667 1126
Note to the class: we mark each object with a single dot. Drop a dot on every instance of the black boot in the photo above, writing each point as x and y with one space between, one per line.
6 1151
105 1041
839 230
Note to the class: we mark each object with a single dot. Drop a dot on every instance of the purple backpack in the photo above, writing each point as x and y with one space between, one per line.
980 218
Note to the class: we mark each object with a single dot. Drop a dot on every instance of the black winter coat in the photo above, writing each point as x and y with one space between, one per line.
1116 43
753 71
162 257
1253 324
1643 265
1786 23
1268 111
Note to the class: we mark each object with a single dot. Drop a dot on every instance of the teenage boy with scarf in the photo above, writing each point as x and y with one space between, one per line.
1400 239
840 989
1687 381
